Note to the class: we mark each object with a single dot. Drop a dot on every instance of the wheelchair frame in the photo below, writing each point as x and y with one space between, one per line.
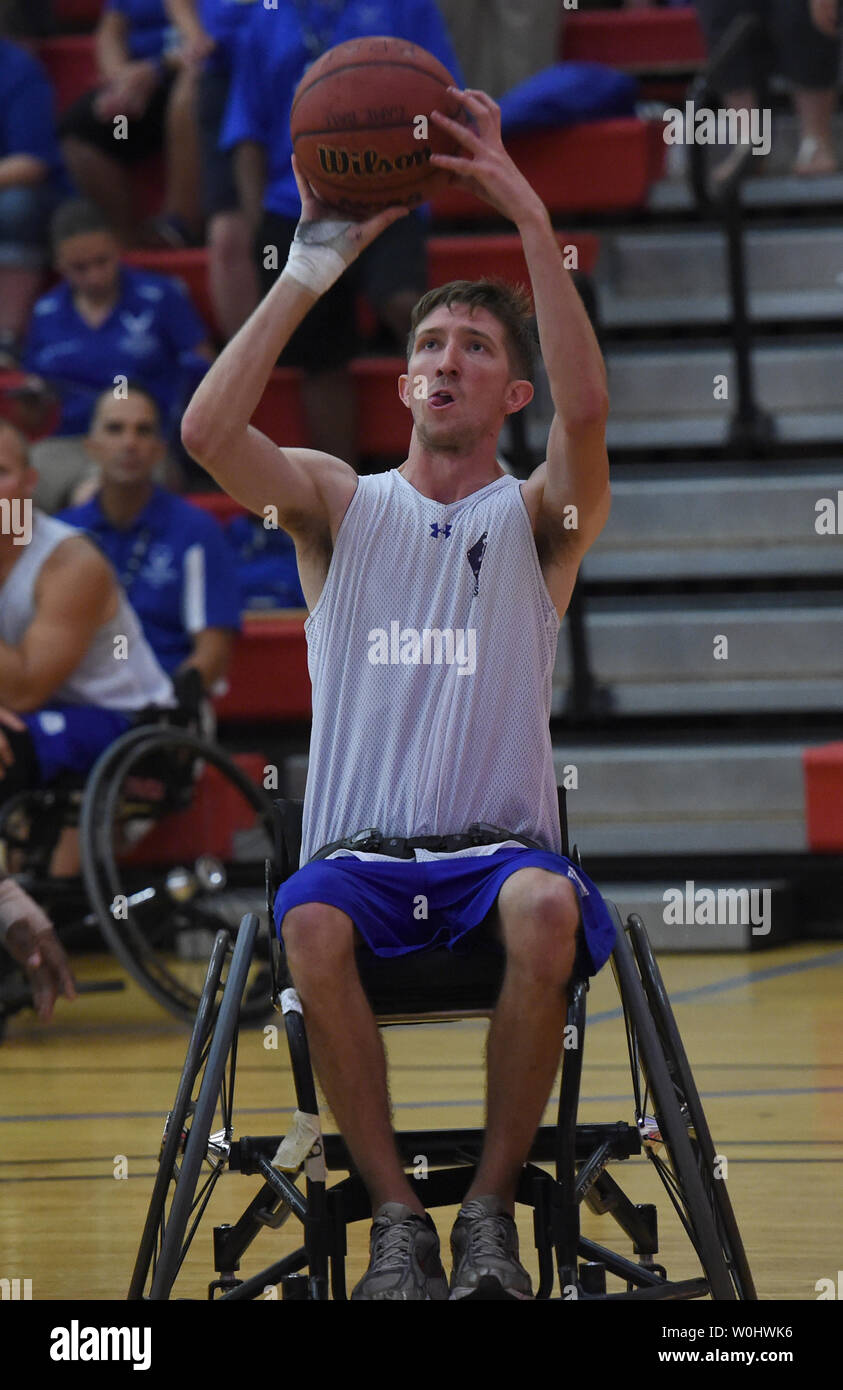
580 1153
93 804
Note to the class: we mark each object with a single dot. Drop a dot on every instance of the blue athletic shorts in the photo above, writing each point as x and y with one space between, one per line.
70 738
383 898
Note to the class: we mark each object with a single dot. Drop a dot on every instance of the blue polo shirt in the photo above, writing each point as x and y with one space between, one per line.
177 569
148 337
27 112
150 30
272 57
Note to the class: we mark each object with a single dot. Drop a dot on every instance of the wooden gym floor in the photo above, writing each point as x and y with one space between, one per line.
764 1033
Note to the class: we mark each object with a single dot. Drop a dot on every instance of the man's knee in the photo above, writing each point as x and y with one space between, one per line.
540 913
318 941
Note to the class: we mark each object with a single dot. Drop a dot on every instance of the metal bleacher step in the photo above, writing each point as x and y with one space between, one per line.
680 276
699 524
667 655
665 396
670 798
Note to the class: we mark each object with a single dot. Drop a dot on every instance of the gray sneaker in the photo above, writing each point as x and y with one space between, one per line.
404 1262
484 1244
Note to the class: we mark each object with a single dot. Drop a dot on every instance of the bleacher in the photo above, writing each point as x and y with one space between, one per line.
722 769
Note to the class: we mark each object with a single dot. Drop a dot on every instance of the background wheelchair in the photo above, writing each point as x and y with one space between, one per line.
199 1143
173 837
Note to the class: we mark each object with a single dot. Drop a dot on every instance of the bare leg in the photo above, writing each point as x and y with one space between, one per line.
181 143
815 110
231 271
103 180
346 1047
538 912
331 408
19 289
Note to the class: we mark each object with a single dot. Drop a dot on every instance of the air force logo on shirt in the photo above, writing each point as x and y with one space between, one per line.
137 338
159 569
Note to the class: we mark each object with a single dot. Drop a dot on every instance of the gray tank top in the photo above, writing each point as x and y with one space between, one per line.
103 677
431 653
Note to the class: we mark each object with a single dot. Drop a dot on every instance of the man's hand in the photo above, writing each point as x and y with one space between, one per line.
825 15
490 173
349 236
129 93
31 941
9 720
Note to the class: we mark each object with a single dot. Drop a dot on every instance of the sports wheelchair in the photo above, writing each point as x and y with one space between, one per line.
173 837
199 1142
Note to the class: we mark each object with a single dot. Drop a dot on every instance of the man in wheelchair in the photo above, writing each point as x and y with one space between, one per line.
435 593
75 667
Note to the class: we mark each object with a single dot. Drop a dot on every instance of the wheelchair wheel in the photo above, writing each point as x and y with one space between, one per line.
198 1133
665 1125
174 839
176 1124
691 1106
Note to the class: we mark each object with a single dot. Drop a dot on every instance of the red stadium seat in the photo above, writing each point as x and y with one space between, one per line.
269 676
216 504
597 167
470 257
824 797
77 14
638 41
214 817
71 64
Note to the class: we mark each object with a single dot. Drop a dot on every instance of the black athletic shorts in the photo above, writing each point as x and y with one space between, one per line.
788 44
328 336
144 134
219 186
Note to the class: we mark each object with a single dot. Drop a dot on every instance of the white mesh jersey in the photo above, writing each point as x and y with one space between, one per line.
102 677
431 652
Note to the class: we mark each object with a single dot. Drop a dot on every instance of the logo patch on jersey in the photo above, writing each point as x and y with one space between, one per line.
436 530
475 559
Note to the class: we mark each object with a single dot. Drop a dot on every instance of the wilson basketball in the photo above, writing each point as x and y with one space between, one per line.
361 128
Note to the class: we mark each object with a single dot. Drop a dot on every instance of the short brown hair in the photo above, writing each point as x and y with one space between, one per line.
510 304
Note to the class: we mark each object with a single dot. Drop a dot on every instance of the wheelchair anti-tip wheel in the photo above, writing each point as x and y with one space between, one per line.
174 840
669 1130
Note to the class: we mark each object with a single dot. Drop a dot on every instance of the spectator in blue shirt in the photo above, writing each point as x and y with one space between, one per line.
209 31
104 321
276 47
144 80
31 183
173 560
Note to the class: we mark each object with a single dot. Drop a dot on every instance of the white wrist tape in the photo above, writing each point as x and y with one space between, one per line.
317 258
15 905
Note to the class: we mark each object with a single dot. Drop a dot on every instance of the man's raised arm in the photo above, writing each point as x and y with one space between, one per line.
215 428
577 469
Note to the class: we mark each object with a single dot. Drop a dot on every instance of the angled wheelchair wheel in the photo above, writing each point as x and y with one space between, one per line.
177 1123
174 839
198 1132
665 1124
690 1106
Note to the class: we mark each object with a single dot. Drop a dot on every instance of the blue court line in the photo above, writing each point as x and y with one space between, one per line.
623 1099
734 982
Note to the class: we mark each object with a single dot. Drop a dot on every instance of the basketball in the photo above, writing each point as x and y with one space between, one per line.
361 128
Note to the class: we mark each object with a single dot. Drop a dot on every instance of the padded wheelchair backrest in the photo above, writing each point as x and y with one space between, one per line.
288 832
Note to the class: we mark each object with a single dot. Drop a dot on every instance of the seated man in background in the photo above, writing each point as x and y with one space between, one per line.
142 78
103 321
75 666
173 560
32 181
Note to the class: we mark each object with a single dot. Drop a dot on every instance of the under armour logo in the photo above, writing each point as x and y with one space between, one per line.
436 530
